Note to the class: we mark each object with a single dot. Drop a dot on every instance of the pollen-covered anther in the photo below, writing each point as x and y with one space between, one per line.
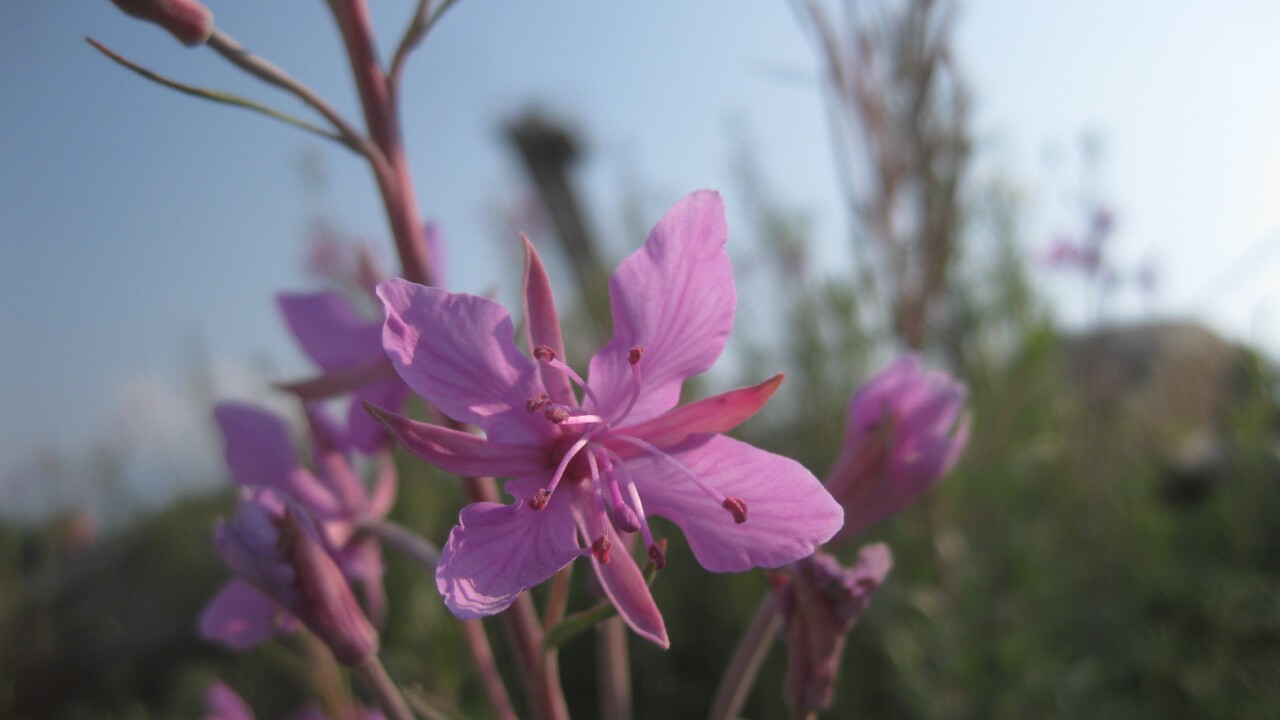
736 507
537 402
557 415
600 549
539 499
657 557
545 353
634 354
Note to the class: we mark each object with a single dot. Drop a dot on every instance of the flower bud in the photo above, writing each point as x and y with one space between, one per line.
187 20
905 429
274 545
820 602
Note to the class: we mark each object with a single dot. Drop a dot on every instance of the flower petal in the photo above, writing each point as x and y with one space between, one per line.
241 616
260 453
716 414
789 513
675 298
498 551
459 352
621 579
367 434
463 453
542 324
330 330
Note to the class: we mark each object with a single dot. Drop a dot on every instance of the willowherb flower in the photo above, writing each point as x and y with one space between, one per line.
587 473
261 454
905 429
820 602
275 546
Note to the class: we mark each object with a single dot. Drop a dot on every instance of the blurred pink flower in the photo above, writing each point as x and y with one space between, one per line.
595 470
820 602
905 429
223 703
275 546
260 454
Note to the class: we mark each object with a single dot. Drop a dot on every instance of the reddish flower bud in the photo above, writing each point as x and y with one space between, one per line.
905 429
275 545
187 20
820 602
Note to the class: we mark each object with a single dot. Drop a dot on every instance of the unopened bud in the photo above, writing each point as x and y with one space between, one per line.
187 20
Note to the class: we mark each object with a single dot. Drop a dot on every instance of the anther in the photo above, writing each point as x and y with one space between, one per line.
600 548
540 499
634 354
657 557
544 353
537 402
557 415
736 507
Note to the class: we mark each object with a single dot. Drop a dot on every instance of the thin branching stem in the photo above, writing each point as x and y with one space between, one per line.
233 51
221 96
424 18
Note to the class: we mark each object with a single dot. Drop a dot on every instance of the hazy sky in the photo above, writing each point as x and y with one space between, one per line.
140 228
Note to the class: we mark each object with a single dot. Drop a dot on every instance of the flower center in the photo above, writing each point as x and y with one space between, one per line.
617 501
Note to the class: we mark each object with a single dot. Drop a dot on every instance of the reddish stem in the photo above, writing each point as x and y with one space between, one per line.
382 119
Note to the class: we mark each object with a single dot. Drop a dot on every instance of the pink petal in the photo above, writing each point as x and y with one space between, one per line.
463 453
329 330
498 551
789 513
675 298
260 453
542 324
458 352
367 434
241 616
622 580
332 383
717 414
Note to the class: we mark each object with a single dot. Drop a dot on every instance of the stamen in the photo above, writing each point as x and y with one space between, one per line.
543 496
600 548
736 507
636 352
556 414
548 356
537 402
540 499
581 420
624 518
657 556
634 494
713 493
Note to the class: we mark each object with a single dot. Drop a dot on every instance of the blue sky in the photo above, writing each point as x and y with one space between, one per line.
139 227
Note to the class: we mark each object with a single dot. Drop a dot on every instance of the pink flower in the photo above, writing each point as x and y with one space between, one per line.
223 703
588 474
905 429
275 546
820 602
348 349
260 454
